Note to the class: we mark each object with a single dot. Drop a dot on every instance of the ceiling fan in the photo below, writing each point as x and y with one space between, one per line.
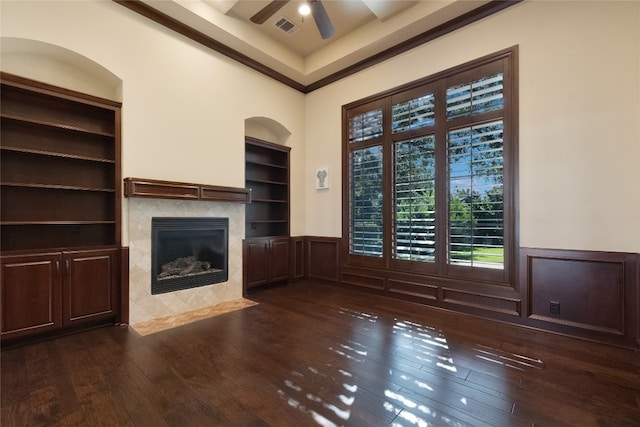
318 13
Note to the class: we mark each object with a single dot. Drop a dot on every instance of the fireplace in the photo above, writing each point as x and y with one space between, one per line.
188 253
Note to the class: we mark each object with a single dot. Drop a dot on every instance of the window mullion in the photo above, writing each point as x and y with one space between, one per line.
442 205
387 183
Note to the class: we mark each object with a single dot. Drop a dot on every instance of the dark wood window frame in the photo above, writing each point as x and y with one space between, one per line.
506 62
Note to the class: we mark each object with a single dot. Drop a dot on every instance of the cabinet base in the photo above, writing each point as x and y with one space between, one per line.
8 343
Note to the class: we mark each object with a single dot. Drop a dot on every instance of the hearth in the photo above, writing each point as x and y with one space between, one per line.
188 253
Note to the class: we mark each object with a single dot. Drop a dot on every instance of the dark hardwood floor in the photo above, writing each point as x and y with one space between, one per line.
313 354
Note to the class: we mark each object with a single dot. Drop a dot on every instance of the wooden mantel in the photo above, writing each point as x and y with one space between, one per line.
155 189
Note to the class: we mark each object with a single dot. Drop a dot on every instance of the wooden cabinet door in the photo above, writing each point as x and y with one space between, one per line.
89 291
256 262
279 259
31 300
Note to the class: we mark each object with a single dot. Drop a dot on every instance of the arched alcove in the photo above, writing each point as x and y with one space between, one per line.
266 129
58 66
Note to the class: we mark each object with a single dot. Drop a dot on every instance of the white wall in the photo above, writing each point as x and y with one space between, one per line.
579 128
184 106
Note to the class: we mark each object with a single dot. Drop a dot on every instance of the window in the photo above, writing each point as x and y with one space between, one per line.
365 126
414 202
431 174
366 201
476 207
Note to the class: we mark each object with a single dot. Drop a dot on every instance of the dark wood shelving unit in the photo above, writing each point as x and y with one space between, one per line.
266 247
59 167
60 214
267 175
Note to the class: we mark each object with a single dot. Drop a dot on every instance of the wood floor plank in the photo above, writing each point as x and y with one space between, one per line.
13 380
314 354
418 410
18 414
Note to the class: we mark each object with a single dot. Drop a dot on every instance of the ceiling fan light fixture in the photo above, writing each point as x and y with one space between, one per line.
317 11
304 9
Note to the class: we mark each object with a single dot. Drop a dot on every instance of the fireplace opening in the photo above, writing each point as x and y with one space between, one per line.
188 253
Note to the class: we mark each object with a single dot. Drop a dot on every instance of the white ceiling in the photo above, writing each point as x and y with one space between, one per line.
363 29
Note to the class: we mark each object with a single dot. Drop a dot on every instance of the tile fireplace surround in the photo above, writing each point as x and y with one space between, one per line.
142 305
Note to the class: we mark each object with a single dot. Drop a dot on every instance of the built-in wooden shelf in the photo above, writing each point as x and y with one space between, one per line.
267 175
60 220
54 124
54 154
155 189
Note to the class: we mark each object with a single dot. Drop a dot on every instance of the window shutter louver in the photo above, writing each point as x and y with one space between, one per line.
414 233
365 126
476 206
479 96
413 114
365 237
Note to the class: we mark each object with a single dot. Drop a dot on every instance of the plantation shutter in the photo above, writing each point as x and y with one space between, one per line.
413 114
476 202
476 97
414 219
365 234
365 126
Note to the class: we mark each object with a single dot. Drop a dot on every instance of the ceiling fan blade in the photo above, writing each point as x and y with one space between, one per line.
322 19
268 11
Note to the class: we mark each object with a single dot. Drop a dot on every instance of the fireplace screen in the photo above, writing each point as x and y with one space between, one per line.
188 253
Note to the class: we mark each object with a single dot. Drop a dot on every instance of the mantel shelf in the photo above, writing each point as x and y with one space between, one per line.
155 189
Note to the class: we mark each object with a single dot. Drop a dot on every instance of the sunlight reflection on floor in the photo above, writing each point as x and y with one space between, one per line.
421 359
510 360
335 411
427 346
